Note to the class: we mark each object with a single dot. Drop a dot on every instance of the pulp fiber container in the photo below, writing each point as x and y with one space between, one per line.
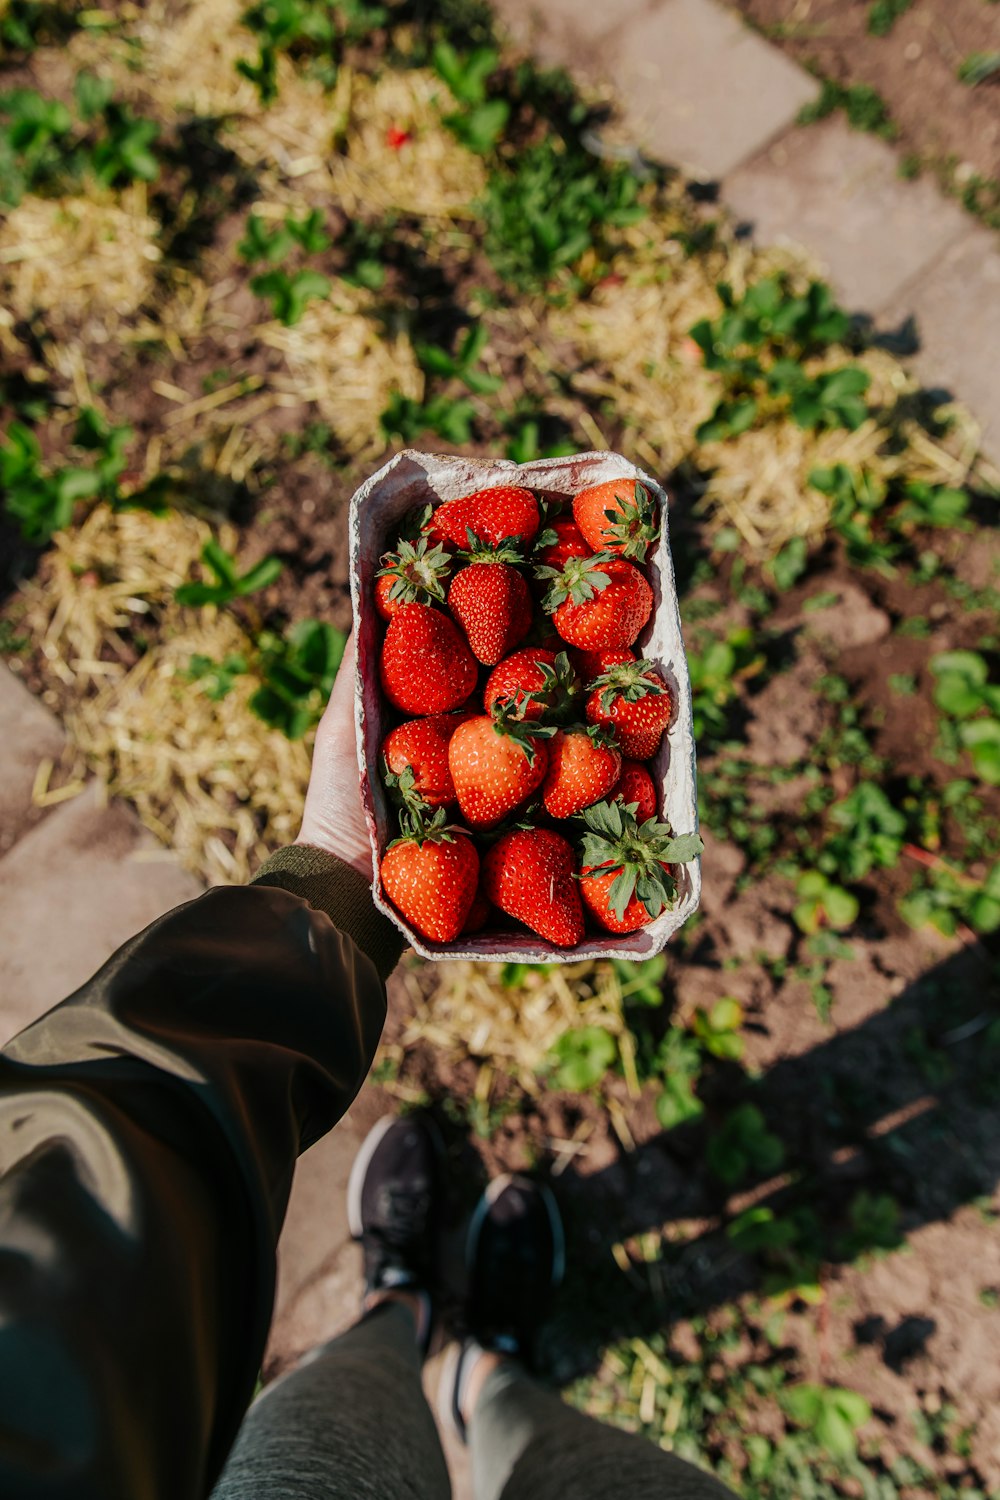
415 479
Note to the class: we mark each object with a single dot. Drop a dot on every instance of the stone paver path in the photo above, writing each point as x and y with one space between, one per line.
699 90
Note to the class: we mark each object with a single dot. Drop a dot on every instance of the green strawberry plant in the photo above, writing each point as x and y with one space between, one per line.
830 1413
757 346
315 30
869 834
290 292
823 904
944 898
718 1029
44 501
481 121
716 674
450 417
217 678
297 674
549 203
462 364
42 151
742 1146
229 583
580 1058
963 691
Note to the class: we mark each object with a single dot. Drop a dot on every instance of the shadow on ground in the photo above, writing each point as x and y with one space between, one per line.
902 1110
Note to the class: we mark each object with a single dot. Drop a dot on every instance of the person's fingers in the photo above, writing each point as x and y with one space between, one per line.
333 817
337 722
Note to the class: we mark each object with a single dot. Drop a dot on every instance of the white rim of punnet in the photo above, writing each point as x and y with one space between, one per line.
411 479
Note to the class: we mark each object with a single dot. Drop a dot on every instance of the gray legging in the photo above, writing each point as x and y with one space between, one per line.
350 1422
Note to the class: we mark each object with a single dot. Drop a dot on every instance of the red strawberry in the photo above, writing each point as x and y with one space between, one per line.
430 874
504 512
495 765
634 701
636 785
420 747
535 682
619 516
426 666
411 575
598 603
593 664
626 877
479 914
529 874
491 602
583 767
561 540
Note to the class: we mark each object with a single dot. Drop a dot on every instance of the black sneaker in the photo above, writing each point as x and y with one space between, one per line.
516 1257
394 1202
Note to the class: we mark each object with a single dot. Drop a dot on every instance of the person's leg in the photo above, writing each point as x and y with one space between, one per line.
525 1443
350 1422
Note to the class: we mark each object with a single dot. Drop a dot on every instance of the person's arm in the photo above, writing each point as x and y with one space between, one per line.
148 1131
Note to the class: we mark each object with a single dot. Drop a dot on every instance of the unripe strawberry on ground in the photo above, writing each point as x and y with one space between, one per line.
535 682
426 666
530 874
634 701
414 574
420 747
584 765
619 516
503 512
431 875
491 602
598 603
626 874
560 540
496 762
635 785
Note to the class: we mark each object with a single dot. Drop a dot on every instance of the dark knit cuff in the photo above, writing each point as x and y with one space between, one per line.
329 885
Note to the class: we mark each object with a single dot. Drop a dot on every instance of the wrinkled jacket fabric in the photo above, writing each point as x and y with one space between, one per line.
149 1127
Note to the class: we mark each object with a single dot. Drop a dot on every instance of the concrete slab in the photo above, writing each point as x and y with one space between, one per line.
71 891
700 90
28 735
838 192
956 308
579 20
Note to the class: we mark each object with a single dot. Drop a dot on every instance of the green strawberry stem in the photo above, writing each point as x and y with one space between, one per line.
628 680
581 579
614 840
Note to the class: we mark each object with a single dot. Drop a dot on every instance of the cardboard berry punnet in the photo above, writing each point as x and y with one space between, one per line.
411 480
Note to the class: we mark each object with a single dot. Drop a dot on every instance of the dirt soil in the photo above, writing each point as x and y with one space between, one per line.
914 67
892 1093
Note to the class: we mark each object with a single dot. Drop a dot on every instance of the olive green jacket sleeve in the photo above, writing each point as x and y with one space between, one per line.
149 1127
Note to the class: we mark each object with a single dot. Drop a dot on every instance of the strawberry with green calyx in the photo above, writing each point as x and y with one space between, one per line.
597 603
636 789
431 875
414 574
490 600
539 683
584 766
593 664
626 876
530 874
560 540
415 755
619 516
504 512
634 701
426 666
496 762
